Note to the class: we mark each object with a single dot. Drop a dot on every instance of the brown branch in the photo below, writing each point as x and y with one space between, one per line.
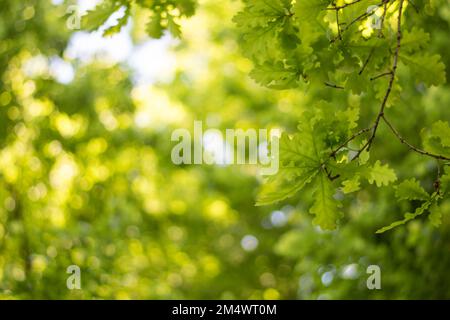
409 145
353 137
367 61
338 26
381 75
383 18
437 183
368 144
414 6
364 15
333 86
359 18
380 115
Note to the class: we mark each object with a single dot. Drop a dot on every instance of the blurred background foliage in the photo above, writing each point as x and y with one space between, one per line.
86 176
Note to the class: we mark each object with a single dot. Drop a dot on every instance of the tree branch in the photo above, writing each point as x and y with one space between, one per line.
367 61
409 145
383 18
334 86
380 115
353 137
381 75
368 144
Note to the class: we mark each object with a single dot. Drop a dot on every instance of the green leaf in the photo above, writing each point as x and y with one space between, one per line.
381 175
351 116
411 190
445 181
259 13
364 157
301 158
122 22
187 7
275 76
299 163
325 207
381 85
351 185
154 28
264 26
99 15
173 27
310 10
261 44
441 130
437 140
427 68
415 39
284 185
435 215
309 15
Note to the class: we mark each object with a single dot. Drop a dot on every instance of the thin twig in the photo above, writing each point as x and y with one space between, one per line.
333 86
437 183
344 144
364 15
414 6
381 75
338 26
383 18
409 145
359 18
367 61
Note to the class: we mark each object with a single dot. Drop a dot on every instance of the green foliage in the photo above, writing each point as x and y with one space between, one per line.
164 15
275 76
435 215
351 185
426 68
437 138
333 46
325 208
97 17
411 190
381 175
298 166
